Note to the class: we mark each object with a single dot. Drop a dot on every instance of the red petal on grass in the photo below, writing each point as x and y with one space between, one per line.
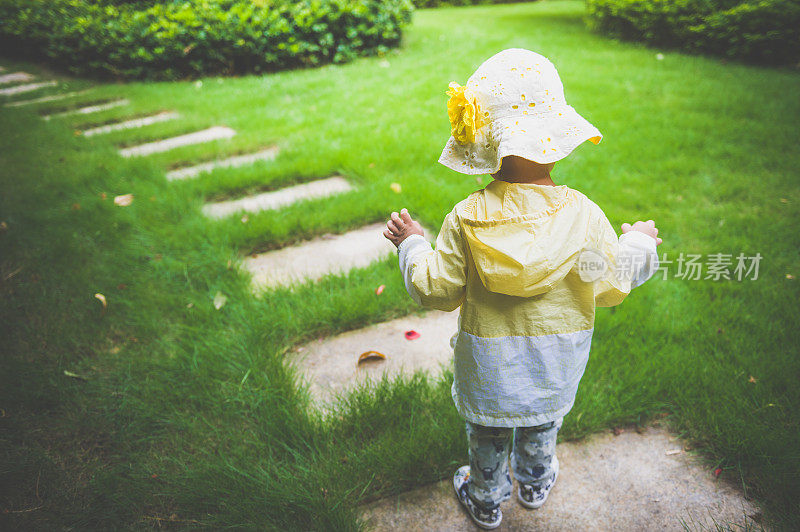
717 472
379 290
412 335
369 355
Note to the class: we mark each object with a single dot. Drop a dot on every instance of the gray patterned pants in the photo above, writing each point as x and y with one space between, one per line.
489 479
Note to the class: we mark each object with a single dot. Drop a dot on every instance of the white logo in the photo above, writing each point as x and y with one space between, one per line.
591 265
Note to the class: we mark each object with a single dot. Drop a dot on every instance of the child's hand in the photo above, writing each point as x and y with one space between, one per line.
648 228
401 227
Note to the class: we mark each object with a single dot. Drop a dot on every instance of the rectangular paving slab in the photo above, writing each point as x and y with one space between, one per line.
131 124
89 109
206 135
29 87
627 482
44 99
330 365
16 77
315 258
278 198
231 162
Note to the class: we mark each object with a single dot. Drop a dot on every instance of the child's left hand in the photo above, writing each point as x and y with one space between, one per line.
401 226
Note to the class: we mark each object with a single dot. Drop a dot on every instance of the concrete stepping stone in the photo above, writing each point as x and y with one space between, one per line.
329 365
626 482
90 109
16 77
44 99
329 254
206 135
30 87
131 124
231 162
320 188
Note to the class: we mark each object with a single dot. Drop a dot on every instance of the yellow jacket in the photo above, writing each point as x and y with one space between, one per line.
527 264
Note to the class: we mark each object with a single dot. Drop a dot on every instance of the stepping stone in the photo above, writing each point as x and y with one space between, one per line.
90 109
232 162
43 99
131 124
625 482
19 89
278 198
330 254
206 135
16 77
329 365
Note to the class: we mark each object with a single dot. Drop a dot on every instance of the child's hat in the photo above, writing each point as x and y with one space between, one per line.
512 105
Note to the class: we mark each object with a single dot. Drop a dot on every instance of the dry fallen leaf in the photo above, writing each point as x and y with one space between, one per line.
74 375
124 200
102 299
752 379
370 355
103 195
784 200
412 335
618 430
3 227
219 300
379 290
76 206
189 305
396 188
789 276
673 451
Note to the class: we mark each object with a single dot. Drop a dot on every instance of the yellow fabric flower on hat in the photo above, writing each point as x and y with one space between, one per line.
462 108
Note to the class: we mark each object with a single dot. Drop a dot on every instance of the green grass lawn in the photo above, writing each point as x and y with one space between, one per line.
187 416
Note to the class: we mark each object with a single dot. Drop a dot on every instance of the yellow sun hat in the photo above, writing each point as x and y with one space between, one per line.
512 105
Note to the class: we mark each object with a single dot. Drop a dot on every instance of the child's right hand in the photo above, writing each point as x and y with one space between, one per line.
648 228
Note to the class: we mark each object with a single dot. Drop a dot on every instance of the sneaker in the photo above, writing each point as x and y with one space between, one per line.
532 497
486 519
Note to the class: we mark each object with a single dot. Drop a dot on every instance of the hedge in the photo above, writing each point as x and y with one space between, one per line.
170 40
752 30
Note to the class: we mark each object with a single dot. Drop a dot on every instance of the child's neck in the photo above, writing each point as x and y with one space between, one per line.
518 170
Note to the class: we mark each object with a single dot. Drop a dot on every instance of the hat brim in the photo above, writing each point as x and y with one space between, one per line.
541 137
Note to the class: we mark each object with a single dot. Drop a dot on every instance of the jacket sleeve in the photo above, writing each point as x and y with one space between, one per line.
631 260
435 279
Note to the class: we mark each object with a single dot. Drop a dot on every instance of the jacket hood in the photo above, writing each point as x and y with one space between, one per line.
524 238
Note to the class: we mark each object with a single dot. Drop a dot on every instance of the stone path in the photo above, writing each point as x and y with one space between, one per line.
44 99
131 124
231 162
90 109
330 365
316 258
626 482
16 77
30 87
198 137
278 198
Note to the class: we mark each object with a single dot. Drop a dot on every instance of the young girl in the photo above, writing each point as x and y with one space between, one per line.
527 261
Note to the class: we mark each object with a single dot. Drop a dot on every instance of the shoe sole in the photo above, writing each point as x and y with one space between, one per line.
537 505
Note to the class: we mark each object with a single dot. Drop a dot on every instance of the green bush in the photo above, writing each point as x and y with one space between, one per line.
756 30
442 3
169 40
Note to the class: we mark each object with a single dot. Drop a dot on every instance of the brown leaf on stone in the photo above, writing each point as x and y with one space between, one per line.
369 355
